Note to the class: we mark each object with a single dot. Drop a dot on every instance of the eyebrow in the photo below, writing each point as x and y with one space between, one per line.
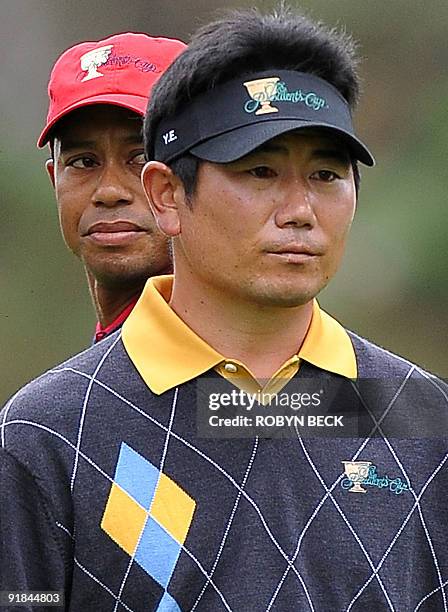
69 144
340 155
269 147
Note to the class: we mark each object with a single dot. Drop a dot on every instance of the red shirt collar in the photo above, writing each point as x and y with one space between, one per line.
101 332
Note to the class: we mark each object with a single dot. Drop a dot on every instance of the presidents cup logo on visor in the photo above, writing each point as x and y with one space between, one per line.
271 89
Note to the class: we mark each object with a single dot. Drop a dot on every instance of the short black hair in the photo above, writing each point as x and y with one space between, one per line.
240 43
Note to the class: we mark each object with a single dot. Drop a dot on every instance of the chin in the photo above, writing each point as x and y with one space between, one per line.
285 301
286 292
120 274
282 297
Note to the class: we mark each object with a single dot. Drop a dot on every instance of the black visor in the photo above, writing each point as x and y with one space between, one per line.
232 119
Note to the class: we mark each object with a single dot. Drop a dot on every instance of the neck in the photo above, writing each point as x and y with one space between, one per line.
262 337
110 302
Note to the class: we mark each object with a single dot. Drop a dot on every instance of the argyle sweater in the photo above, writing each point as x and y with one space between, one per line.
108 494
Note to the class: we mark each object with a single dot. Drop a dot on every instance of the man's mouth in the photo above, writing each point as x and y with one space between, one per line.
294 253
116 233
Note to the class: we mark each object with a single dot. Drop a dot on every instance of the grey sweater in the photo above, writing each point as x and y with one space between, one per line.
108 494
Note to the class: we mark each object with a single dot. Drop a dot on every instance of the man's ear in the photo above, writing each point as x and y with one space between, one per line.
165 193
49 165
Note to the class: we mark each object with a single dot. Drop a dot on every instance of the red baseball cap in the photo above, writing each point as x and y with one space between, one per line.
119 70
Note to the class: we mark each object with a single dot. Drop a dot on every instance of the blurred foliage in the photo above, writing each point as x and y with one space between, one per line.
392 287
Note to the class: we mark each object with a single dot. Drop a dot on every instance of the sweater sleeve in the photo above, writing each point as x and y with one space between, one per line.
33 556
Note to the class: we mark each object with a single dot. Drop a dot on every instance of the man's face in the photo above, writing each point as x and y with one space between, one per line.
103 212
270 228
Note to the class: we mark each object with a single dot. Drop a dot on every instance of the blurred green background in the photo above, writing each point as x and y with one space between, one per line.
393 284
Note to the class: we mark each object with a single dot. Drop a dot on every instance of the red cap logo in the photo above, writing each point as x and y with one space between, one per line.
119 70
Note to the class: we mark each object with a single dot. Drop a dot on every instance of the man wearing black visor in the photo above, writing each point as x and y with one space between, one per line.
234 447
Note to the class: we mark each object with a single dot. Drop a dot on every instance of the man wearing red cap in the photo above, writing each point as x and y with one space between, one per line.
98 93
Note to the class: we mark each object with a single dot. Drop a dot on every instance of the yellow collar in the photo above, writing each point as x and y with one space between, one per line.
167 353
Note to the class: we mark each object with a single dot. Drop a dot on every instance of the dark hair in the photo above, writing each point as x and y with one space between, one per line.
238 44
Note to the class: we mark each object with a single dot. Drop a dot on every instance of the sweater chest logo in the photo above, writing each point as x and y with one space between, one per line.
360 474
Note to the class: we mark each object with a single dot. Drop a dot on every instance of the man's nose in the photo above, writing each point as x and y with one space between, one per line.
112 187
296 205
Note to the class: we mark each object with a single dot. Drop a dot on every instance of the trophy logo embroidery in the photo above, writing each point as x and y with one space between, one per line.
262 91
92 60
357 472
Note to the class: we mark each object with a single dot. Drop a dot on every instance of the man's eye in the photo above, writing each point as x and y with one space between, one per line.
82 163
262 172
139 159
328 176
